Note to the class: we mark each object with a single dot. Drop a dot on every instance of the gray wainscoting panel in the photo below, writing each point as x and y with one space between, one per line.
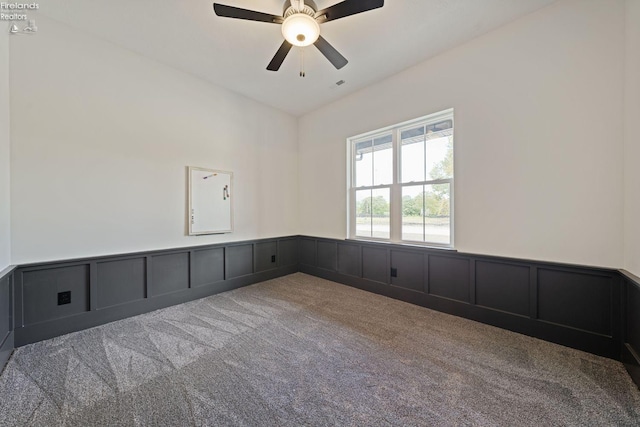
578 305
632 323
121 281
239 261
6 316
6 348
130 284
40 293
308 252
288 252
409 270
631 327
5 308
170 273
266 256
375 264
503 286
327 255
349 260
449 277
574 299
207 266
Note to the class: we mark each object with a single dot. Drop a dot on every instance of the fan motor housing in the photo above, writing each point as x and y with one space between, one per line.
308 3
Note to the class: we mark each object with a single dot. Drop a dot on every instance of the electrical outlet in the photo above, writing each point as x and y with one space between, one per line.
273 258
64 298
394 272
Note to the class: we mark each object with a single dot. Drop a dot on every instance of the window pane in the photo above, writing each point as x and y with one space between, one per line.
373 213
426 213
364 163
440 158
380 208
412 155
437 221
413 213
383 160
363 213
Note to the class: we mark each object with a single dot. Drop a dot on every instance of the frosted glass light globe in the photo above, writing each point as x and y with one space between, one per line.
300 29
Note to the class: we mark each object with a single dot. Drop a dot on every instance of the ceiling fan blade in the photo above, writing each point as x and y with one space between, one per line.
278 58
331 53
250 15
347 8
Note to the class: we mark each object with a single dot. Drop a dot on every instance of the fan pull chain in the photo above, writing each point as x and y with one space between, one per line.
302 73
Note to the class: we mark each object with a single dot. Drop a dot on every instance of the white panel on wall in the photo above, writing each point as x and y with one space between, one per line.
100 140
210 202
538 128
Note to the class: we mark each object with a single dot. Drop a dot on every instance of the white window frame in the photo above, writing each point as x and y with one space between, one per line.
396 186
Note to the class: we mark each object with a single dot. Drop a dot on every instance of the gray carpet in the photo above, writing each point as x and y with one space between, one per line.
301 351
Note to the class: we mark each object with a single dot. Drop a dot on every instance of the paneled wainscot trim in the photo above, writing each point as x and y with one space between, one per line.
576 306
592 309
104 289
6 315
631 325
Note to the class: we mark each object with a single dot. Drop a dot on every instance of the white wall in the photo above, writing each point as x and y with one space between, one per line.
101 137
632 138
538 109
5 226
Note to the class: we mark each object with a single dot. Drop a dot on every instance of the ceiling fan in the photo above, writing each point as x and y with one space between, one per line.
300 22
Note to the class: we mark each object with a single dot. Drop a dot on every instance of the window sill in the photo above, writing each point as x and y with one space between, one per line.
403 244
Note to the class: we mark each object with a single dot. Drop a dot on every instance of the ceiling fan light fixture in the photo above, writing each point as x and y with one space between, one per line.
299 25
300 29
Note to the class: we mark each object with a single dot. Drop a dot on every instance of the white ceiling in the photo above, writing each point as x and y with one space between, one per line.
234 53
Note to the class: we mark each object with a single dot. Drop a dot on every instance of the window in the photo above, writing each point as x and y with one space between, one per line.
401 182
